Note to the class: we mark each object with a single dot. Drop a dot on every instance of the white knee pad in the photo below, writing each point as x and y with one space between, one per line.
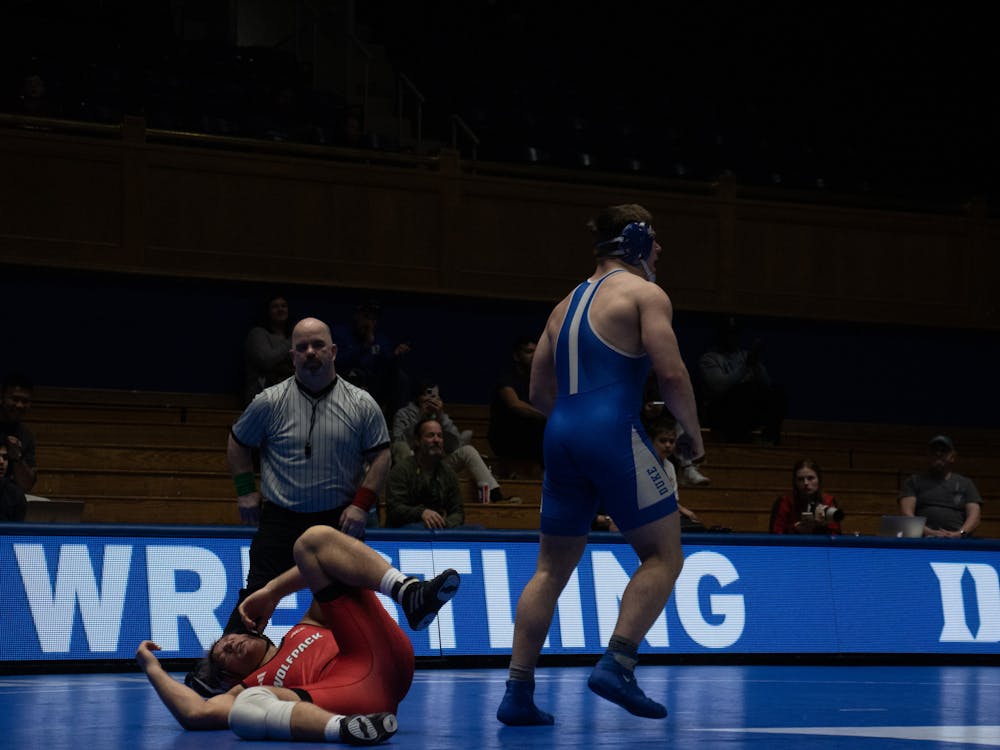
258 714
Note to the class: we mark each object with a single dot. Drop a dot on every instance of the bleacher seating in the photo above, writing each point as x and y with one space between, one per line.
152 457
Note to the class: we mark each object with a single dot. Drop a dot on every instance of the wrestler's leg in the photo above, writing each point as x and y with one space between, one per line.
325 556
259 714
658 546
557 558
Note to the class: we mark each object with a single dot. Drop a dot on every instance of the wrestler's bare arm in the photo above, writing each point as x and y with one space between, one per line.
660 343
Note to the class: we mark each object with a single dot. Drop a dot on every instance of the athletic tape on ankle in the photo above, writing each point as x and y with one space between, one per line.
392 581
331 733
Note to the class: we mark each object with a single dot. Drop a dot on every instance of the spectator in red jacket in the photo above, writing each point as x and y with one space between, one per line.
806 509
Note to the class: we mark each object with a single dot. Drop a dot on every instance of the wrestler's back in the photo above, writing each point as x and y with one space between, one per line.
599 387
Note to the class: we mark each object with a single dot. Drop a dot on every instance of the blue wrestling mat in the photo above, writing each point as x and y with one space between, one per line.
723 707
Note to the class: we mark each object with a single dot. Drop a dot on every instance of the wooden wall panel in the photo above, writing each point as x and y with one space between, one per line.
532 238
844 265
436 225
522 240
316 223
60 201
692 264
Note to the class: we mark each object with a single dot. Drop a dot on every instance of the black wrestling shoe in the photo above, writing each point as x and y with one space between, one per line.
204 679
423 600
367 729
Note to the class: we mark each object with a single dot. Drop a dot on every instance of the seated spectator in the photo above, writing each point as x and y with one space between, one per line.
949 501
662 432
13 503
459 455
806 509
688 474
738 394
516 427
368 359
15 403
268 349
422 492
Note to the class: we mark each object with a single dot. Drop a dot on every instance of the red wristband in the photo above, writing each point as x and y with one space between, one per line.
365 499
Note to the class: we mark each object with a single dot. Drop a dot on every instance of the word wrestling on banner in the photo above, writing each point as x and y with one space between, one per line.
87 597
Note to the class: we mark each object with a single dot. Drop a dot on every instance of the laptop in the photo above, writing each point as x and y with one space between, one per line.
54 511
903 527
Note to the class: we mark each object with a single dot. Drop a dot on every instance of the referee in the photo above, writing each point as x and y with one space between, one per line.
324 456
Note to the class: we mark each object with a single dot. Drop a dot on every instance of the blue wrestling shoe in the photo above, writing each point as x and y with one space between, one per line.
518 709
423 599
615 683
367 729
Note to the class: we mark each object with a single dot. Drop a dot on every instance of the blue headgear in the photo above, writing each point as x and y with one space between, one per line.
635 245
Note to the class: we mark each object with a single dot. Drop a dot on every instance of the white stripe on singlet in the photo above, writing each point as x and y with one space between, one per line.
573 338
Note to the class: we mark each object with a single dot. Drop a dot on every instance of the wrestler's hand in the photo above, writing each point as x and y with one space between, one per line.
256 609
144 655
353 521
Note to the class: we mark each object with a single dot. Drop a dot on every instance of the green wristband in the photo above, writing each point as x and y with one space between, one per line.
245 483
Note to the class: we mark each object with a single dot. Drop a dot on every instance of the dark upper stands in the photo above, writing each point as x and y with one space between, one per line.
764 95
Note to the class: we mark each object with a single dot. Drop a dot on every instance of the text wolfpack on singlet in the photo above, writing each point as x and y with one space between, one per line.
282 673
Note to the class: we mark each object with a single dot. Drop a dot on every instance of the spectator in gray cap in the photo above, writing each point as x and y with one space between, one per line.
949 501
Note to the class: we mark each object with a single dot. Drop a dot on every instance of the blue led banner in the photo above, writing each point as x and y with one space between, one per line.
77 596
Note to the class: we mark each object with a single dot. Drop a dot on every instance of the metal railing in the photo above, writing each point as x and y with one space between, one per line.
459 125
366 57
405 85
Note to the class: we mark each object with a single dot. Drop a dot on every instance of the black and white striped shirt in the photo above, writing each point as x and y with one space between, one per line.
312 447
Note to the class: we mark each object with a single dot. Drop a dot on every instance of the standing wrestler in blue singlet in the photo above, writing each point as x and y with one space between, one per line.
587 376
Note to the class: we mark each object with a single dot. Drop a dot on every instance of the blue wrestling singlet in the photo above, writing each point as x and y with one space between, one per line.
596 450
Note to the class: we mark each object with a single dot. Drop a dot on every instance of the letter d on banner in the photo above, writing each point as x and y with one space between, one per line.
956 627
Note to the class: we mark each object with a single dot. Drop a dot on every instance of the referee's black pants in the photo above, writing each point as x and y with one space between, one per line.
271 548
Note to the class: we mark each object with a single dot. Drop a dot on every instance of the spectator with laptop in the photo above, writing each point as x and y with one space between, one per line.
949 501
